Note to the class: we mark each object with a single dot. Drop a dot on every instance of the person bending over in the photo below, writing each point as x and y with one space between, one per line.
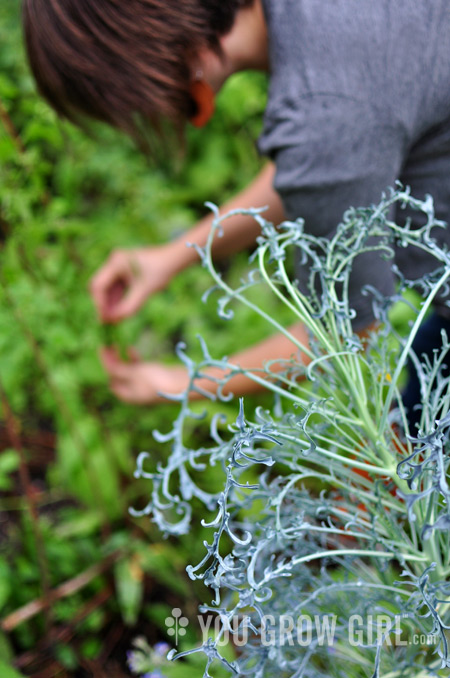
359 97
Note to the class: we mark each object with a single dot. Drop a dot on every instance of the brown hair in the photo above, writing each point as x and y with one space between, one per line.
114 59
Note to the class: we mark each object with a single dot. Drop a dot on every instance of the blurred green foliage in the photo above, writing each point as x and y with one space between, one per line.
66 201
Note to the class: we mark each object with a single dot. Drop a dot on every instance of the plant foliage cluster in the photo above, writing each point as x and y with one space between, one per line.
331 506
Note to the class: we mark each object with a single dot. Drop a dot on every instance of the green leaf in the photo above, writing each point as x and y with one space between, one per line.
9 462
8 149
91 648
7 671
163 563
82 525
6 652
8 90
129 578
67 656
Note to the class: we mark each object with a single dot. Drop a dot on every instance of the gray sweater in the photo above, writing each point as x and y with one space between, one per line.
359 97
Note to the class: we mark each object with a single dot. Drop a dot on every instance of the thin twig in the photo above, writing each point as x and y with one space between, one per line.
111 642
52 670
42 500
64 634
67 589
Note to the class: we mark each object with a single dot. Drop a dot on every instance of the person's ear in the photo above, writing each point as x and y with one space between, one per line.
203 96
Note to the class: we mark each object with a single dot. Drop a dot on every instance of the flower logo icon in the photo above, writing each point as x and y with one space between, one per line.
176 624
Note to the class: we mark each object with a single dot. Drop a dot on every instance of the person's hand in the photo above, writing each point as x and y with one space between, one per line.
141 383
128 278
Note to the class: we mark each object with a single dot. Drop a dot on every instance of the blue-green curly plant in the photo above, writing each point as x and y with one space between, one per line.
331 507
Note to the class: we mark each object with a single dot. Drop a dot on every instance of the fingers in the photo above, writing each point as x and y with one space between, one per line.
115 293
109 284
142 383
121 374
116 368
123 391
133 355
128 304
125 378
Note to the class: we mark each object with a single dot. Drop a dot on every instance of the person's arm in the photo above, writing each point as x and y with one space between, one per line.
239 231
142 383
129 277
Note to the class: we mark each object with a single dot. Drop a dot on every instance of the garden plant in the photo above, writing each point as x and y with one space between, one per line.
332 507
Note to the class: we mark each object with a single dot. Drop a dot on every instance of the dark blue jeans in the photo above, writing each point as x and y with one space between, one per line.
427 338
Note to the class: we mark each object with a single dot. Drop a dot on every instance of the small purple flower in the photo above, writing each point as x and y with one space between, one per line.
153 674
162 649
131 661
